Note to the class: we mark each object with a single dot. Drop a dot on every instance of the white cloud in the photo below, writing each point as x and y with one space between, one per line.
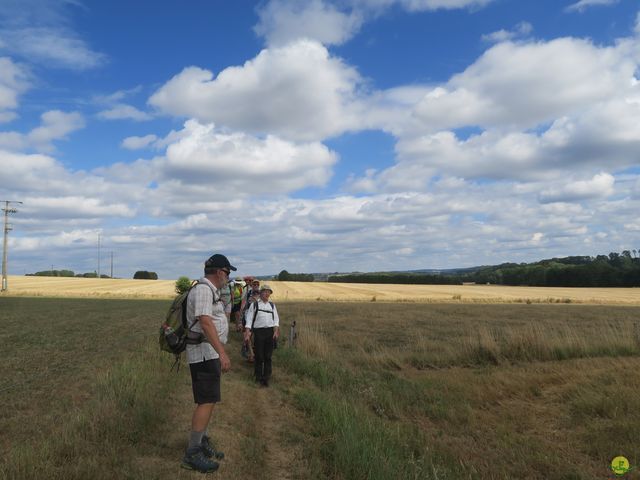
522 29
41 32
332 234
117 96
122 111
600 186
75 207
510 84
283 21
582 5
56 125
332 22
58 47
297 91
136 143
13 82
422 5
238 163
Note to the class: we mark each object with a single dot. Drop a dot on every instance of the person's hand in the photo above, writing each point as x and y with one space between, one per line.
225 362
276 334
247 335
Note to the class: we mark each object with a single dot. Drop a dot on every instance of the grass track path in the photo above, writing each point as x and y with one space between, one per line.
260 432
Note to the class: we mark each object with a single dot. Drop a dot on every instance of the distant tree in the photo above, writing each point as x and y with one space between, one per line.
144 275
283 276
54 273
182 285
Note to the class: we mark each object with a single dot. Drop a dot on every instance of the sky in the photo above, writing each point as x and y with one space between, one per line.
318 135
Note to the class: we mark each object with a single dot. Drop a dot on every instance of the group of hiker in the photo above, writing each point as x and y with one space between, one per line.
210 306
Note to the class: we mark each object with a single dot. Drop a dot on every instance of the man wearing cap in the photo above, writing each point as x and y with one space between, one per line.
207 358
264 322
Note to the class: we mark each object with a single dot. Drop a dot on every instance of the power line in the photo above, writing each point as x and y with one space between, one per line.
7 228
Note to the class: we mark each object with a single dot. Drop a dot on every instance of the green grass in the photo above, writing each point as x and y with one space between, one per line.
509 391
373 390
84 388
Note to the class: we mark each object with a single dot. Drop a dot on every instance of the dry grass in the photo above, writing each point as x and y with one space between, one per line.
340 292
375 390
487 391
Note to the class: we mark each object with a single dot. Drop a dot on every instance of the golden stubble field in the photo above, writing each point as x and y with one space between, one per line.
322 291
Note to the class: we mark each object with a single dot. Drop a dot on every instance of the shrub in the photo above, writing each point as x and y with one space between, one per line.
182 285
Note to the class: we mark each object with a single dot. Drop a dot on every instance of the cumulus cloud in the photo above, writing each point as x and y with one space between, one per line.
283 21
136 143
13 82
510 84
600 186
123 111
334 23
55 125
74 207
331 234
582 5
522 29
237 162
298 91
518 129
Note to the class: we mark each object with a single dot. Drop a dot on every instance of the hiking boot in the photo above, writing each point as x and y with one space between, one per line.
209 450
195 459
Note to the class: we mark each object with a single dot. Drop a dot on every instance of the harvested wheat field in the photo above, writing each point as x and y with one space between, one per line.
322 291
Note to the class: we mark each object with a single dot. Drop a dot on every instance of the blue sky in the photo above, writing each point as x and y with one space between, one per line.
318 136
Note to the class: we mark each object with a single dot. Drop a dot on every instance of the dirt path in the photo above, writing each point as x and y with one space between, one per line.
261 433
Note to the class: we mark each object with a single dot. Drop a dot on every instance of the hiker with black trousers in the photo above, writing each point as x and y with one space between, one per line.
208 329
262 319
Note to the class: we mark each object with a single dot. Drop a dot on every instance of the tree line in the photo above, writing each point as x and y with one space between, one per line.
398 278
613 270
285 276
65 273
139 275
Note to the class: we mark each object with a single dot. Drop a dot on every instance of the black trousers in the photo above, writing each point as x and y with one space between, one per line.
262 349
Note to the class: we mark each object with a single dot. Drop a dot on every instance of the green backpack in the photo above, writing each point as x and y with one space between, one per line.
174 333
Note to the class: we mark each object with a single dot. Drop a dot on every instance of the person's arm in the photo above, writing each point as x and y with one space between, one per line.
249 320
243 304
276 319
209 330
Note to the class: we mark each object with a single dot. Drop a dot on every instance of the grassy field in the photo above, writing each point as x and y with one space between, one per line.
323 291
373 390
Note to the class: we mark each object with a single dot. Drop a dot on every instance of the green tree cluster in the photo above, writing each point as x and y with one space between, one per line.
285 276
613 270
144 275
53 273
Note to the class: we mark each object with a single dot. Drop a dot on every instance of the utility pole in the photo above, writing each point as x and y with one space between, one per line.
7 228
111 265
98 255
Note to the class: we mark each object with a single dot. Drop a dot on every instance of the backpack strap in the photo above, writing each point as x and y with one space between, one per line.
255 314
